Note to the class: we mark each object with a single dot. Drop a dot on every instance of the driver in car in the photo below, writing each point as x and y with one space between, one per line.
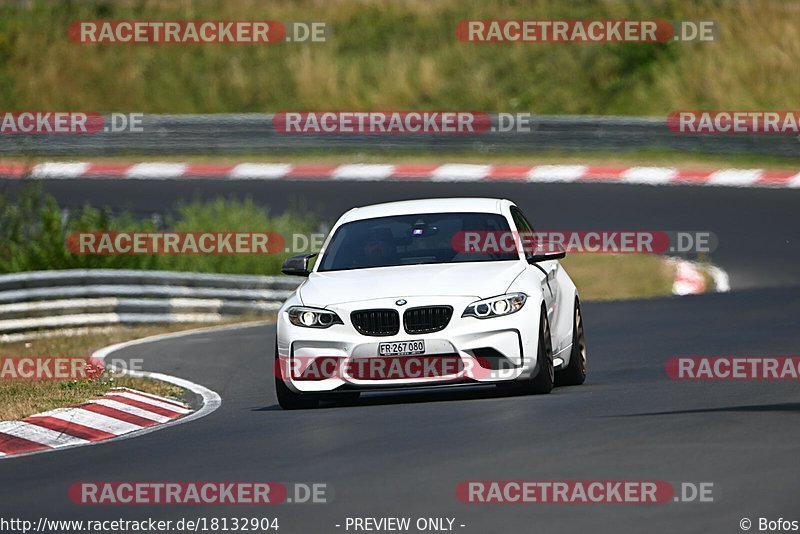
379 249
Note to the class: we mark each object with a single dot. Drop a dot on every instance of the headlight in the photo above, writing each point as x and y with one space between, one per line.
496 306
312 317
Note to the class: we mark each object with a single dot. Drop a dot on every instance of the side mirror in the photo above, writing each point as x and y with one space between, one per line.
545 251
297 265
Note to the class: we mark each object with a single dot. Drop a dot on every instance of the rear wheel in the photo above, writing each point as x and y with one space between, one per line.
575 372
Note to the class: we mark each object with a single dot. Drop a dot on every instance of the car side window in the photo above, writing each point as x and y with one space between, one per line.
523 227
522 224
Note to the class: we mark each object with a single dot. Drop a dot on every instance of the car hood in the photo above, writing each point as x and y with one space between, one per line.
476 279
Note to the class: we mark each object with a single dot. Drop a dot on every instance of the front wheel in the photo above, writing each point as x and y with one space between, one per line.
288 399
542 383
575 372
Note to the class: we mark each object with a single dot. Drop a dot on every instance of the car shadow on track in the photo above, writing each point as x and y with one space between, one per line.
755 408
381 398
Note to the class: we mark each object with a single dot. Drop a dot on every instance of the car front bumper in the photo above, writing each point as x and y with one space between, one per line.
467 351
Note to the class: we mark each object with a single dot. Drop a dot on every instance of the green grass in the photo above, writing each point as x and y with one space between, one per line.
385 54
620 276
21 398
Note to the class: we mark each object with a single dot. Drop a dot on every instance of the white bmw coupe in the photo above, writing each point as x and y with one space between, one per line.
428 293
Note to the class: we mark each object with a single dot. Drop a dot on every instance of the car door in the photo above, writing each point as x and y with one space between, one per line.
546 270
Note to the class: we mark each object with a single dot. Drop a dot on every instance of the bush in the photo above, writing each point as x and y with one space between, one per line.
33 233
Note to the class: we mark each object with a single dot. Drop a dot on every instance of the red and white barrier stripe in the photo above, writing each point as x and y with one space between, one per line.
689 279
450 172
118 412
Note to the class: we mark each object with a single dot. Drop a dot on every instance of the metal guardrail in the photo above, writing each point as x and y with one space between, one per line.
94 297
254 133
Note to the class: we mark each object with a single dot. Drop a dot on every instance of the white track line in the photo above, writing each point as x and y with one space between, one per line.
211 399
94 420
256 171
38 434
156 170
59 170
363 172
152 402
649 175
460 172
556 173
152 396
133 410
735 177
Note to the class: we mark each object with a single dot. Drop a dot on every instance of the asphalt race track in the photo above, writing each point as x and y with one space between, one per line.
404 454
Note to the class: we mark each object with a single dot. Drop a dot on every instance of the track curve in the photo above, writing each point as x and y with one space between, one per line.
403 454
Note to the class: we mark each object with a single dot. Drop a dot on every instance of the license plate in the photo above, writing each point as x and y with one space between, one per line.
401 348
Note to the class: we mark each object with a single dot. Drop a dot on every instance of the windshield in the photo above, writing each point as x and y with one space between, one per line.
410 240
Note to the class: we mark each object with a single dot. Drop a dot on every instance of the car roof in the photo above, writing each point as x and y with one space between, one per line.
428 205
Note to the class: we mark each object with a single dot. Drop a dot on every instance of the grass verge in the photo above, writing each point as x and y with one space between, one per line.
384 54
21 398
619 276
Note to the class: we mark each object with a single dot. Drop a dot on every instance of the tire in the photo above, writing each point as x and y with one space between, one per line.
575 372
288 399
543 382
